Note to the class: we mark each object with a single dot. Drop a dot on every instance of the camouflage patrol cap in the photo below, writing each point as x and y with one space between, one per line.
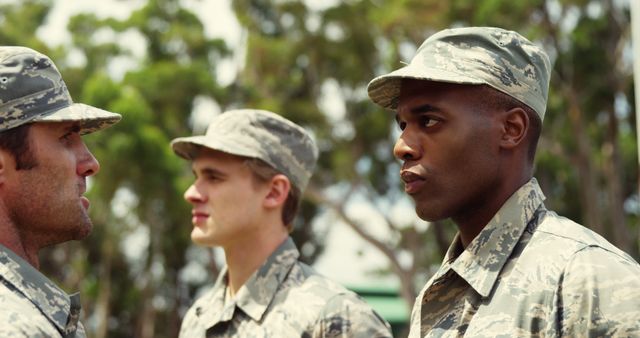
32 90
260 134
502 59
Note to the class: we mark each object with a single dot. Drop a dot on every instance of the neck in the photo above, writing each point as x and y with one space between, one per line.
13 240
473 221
245 257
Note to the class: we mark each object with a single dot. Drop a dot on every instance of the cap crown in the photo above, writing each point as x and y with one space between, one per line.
260 134
30 87
502 59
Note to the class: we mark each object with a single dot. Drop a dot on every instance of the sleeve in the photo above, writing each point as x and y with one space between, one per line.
347 315
19 318
13 324
600 295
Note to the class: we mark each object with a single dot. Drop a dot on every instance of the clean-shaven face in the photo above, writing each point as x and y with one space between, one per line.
226 201
449 148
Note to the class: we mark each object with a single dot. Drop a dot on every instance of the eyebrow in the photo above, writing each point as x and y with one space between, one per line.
425 108
74 128
209 172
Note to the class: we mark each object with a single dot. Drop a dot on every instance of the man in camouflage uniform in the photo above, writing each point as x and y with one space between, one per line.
43 168
470 106
250 170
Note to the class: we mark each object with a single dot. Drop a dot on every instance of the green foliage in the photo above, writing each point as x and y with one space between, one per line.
19 22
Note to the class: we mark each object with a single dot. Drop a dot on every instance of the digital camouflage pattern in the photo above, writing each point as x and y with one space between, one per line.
33 306
502 59
32 90
260 134
283 298
531 273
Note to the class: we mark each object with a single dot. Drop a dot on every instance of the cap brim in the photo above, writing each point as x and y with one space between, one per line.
188 147
384 90
91 118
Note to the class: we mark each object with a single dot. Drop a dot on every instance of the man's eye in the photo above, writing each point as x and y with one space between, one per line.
402 125
429 122
66 136
211 178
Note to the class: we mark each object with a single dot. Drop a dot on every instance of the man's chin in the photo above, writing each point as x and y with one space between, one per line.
428 215
77 232
200 239
83 231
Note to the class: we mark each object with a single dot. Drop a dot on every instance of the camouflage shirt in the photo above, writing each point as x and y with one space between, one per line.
531 273
33 306
283 298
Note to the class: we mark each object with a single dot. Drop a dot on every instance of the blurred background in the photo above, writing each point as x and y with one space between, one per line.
169 66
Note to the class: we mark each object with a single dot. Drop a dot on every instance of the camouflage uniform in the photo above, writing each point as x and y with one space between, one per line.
32 90
529 272
532 273
32 305
283 298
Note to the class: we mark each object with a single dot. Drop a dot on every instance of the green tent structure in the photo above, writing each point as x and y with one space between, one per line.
388 303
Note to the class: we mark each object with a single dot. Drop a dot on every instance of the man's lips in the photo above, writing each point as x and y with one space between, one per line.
198 216
413 182
85 202
82 187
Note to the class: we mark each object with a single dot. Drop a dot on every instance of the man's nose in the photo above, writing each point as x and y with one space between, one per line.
87 163
192 195
406 148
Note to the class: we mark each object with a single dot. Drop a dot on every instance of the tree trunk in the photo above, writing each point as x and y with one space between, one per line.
621 236
103 309
406 276
613 167
591 211
146 320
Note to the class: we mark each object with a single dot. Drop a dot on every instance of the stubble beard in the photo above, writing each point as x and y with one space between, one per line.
45 213
53 224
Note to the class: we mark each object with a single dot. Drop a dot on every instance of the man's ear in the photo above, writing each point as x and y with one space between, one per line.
5 158
514 128
279 187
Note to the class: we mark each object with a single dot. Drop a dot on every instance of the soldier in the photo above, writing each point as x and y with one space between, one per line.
470 107
43 168
250 170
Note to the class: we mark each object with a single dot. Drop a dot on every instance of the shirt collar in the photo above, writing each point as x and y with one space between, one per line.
481 262
62 310
256 294
211 308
